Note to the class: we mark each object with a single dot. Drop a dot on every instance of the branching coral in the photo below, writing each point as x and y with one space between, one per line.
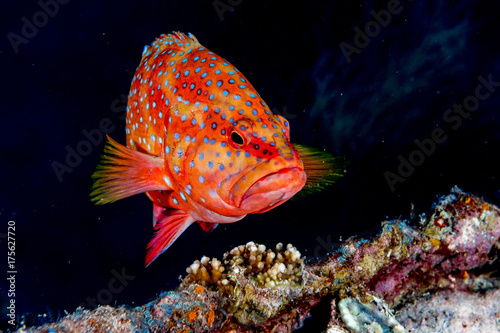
257 289
256 281
266 268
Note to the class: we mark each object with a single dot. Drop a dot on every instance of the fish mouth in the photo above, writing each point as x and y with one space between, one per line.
268 191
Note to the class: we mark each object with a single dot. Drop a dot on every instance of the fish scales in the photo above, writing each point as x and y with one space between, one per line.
200 142
178 69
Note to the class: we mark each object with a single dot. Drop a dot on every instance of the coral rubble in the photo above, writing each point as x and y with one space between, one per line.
448 311
255 289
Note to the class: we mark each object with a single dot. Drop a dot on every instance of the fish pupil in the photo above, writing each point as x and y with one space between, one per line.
237 138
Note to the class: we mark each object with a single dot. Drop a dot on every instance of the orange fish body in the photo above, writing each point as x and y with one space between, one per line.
201 144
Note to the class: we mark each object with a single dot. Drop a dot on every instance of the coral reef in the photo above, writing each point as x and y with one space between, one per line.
452 312
254 289
266 268
249 274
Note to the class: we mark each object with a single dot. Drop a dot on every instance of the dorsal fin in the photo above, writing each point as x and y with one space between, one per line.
176 40
188 40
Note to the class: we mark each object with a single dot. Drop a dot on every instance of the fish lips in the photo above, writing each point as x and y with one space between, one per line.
267 191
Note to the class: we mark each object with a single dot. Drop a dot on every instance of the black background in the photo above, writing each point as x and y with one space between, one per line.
74 71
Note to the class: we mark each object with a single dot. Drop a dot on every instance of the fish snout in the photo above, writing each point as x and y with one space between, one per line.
265 185
272 190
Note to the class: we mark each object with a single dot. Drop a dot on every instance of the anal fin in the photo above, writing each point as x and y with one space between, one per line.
207 226
169 225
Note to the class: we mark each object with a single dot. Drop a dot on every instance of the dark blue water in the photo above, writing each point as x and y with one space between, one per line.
65 74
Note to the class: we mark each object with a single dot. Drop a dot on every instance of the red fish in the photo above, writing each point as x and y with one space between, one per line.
201 143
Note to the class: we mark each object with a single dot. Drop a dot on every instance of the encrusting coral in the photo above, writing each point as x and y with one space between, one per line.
254 289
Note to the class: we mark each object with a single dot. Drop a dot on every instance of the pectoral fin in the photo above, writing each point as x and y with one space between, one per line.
322 169
123 172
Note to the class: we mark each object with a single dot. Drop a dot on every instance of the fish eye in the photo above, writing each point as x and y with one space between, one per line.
239 133
237 139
